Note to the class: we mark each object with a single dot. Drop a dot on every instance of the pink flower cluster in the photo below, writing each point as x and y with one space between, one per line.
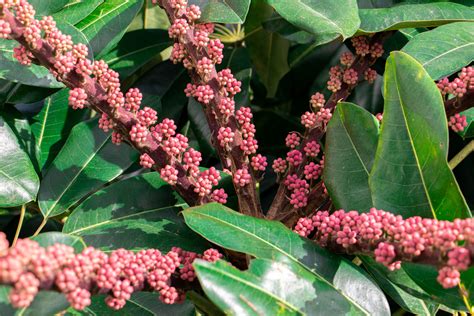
460 85
392 239
145 133
457 122
29 268
215 90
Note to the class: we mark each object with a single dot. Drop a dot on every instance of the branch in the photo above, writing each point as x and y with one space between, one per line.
456 105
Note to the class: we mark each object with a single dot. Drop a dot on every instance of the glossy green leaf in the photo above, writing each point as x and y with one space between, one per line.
326 19
468 131
223 11
137 48
108 22
51 238
444 50
140 304
269 287
135 213
53 124
46 303
410 175
74 11
47 7
413 15
351 142
425 277
18 178
268 51
87 161
281 26
33 75
406 300
266 239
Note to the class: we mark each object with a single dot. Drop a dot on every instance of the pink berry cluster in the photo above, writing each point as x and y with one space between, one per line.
391 239
457 122
161 146
215 90
29 268
460 85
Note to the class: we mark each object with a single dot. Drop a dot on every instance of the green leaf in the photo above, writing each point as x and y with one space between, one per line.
141 303
53 124
351 142
33 75
142 207
108 22
47 7
406 300
287 30
87 161
201 129
223 11
46 303
410 175
266 239
51 238
269 287
18 178
444 50
76 10
268 51
425 277
327 19
137 48
468 131
413 15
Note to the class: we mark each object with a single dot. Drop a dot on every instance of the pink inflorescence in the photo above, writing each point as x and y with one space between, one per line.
392 239
29 268
457 122
95 84
460 85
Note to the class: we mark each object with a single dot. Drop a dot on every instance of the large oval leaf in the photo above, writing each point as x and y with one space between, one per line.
137 48
53 124
46 303
108 22
74 11
351 142
223 11
18 178
413 15
87 161
51 238
136 213
267 239
324 18
444 50
269 287
410 175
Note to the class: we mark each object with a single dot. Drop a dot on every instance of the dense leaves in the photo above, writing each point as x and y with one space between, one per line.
410 172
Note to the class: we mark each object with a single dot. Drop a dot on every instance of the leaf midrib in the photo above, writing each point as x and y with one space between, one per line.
287 255
100 17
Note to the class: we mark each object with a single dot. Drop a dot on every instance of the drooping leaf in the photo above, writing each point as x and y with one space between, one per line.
281 26
50 238
269 287
468 131
87 161
135 213
18 178
413 15
444 50
351 142
223 11
326 19
407 301
268 51
266 239
410 175
74 11
137 48
53 124
107 23
33 75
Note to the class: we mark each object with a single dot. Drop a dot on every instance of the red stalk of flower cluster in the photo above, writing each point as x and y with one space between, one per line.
29 268
391 239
